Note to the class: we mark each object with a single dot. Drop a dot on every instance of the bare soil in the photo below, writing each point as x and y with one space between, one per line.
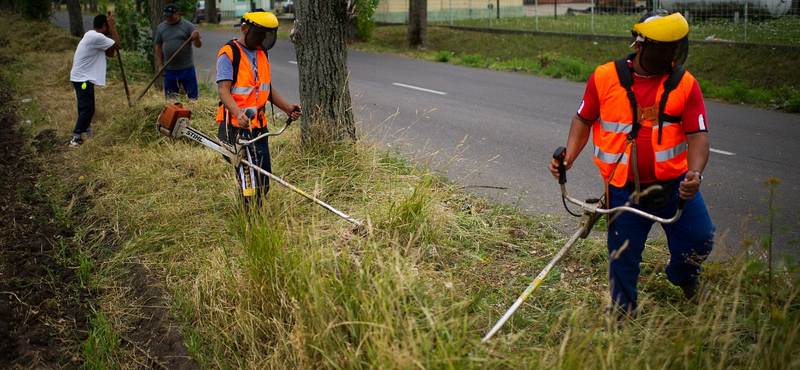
45 311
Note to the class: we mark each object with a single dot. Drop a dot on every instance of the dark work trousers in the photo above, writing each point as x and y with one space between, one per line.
690 240
253 185
85 106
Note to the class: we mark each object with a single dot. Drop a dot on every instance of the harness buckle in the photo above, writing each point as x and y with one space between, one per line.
646 114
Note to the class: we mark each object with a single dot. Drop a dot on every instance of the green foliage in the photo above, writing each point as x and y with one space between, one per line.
35 10
472 60
443 56
572 69
787 99
131 27
364 22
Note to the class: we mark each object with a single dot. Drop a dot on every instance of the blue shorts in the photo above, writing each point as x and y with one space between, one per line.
173 79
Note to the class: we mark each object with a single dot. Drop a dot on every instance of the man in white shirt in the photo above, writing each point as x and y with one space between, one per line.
89 69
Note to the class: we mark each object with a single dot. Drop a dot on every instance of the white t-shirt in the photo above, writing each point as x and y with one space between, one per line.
90 58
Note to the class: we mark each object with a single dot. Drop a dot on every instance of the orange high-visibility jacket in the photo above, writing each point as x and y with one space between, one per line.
610 132
247 90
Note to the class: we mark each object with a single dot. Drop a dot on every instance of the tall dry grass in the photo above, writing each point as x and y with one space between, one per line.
290 287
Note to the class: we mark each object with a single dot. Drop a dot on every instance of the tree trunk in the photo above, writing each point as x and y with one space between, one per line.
75 18
155 11
320 38
94 6
211 12
418 24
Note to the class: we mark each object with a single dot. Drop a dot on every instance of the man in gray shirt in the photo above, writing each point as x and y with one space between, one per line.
170 35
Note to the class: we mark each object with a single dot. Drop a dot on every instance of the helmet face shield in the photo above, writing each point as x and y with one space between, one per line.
665 41
259 36
262 29
662 57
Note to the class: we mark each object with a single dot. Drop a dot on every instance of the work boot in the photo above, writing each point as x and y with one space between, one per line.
696 293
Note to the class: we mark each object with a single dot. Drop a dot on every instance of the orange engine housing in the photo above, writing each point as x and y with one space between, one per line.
169 116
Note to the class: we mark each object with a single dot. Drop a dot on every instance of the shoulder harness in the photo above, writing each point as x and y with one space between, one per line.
625 74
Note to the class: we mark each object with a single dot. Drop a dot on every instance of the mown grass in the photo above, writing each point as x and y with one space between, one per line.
729 72
290 287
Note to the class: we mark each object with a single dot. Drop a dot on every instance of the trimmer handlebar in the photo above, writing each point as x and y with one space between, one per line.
250 114
561 153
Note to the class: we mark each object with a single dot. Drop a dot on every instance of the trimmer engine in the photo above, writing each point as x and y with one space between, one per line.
169 117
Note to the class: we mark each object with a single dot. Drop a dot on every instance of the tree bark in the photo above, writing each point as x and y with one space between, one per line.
418 24
155 14
75 18
320 37
211 12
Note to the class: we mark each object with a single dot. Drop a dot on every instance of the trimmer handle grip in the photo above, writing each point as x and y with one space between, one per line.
250 113
289 121
559 155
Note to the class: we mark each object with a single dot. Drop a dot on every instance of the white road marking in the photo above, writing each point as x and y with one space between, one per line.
419 88
292 62
721 151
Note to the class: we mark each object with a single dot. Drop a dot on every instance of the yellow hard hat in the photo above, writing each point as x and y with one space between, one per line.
658 26
260 18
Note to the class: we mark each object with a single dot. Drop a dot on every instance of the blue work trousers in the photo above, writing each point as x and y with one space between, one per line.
690 240
173 79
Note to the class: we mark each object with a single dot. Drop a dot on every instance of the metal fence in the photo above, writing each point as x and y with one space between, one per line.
774 22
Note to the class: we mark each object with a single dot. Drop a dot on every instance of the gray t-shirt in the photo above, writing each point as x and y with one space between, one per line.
172 36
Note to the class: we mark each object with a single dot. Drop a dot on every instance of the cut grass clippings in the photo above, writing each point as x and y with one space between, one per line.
290 287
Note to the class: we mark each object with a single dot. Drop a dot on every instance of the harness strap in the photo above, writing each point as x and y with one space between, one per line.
670 84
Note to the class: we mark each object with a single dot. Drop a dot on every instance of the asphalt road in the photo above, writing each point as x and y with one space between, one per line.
495 132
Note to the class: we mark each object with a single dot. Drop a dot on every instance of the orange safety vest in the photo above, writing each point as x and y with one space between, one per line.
247 90
610 132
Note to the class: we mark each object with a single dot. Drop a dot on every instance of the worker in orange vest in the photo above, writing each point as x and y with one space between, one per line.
665 145
244 84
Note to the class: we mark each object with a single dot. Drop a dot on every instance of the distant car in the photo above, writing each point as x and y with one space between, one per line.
200 14
288 6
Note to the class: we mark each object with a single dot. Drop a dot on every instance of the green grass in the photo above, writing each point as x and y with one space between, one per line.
291 287
727 72
782 31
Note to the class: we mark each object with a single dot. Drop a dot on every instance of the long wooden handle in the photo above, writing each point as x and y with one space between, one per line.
164 67
124 80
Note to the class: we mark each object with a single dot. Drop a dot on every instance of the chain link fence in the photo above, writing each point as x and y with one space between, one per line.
772 22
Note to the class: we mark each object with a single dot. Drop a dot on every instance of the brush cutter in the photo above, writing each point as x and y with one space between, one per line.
174 122
593 209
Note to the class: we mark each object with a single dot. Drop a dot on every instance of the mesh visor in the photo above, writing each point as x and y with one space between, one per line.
662 57
264 37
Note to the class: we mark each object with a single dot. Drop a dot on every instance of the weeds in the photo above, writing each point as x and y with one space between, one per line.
289 287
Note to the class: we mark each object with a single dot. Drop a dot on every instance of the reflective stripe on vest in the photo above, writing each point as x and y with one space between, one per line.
610 132
666 155
610 158
616 127
248 93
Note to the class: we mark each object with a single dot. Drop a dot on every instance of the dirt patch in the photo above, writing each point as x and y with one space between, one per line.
45 308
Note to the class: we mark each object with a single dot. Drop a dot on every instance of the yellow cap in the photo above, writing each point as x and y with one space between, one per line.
261 19
663 29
